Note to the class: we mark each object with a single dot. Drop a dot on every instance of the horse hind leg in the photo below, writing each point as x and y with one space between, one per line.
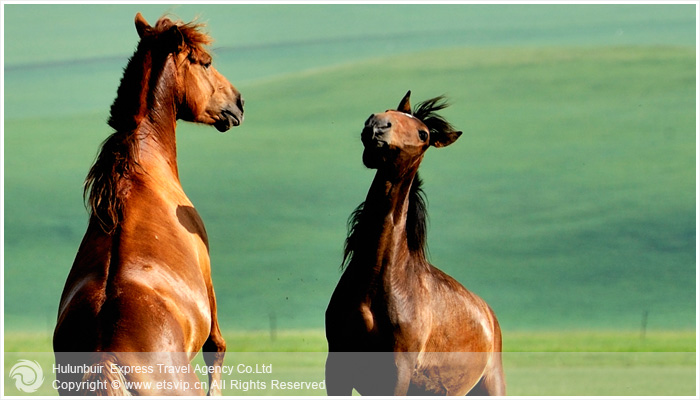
214 348
213 351
493 381
108 373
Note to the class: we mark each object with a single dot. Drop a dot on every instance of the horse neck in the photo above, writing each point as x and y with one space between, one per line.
143 146
155 129
387 206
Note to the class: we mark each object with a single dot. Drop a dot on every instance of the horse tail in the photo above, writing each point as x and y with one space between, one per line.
107 379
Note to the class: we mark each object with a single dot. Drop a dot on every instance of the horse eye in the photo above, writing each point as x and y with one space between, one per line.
423 135
206 65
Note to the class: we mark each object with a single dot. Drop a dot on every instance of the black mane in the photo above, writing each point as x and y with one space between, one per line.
426 112
361 220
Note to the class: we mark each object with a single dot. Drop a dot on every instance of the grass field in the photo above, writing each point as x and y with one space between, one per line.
314 340
561 363
568 204
595 202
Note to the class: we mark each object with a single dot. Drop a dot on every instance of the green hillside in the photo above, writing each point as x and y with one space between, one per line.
568 203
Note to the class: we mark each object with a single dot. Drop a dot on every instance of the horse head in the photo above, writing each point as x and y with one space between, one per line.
398 139
203 95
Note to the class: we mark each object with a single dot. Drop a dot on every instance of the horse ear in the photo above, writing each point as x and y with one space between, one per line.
442 139
142 25
405 104
173 38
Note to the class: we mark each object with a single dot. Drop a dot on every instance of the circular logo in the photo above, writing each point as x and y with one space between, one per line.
28 375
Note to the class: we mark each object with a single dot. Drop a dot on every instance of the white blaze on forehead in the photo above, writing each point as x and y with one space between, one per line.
410 115
400 112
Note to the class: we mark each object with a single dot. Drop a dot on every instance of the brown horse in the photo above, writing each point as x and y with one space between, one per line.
395 323
140 290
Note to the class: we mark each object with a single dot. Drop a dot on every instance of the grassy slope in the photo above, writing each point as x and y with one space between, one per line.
568 202
561 213
313 340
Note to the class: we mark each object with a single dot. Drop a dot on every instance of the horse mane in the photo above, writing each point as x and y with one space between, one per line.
164 38
361 221
108 180
426 112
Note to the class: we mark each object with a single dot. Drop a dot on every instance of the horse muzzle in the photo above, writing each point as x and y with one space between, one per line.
229 118
375 152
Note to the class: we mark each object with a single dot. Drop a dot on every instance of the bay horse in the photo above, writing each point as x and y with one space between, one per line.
140 291
395 324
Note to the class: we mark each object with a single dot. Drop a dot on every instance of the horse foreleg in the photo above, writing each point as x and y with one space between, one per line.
338 369
405 364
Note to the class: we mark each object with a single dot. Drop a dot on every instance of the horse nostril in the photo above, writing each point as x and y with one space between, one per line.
240 102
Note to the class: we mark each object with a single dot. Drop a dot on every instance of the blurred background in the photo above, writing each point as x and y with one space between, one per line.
568 204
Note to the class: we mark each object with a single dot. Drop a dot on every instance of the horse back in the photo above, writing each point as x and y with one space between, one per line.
141 288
